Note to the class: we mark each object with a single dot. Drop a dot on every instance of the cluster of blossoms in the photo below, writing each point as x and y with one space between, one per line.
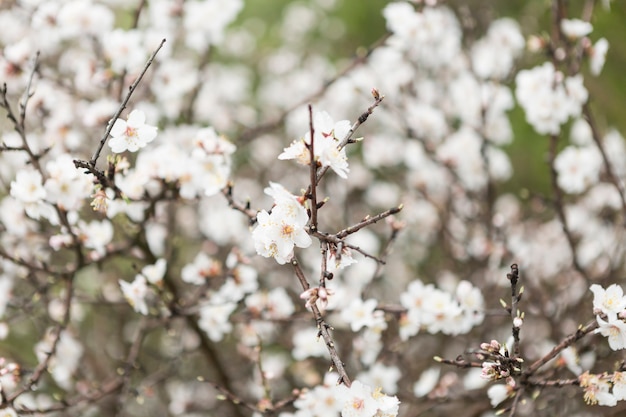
278 232
438 311
604 389
610 303
439 150
359 400
549 98
325 144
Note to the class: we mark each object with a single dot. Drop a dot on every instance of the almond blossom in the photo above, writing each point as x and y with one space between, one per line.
326 141
131 134
278 233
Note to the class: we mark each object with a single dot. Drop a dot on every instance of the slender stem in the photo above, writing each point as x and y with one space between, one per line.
560 210
568 341
312 195
614 179
324 329
514 277
131 90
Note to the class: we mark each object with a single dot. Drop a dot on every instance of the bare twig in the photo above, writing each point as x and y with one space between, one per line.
131 90
614 179
560 210
513 277
568 341
312 195
323 328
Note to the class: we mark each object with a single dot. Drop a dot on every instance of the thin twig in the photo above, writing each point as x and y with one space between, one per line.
323 328
513 277
131 90
560 210
312 195
614 179
367 221
568 341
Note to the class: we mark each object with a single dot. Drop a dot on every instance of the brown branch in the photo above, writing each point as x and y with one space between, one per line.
595 133
242 208
565 343
367 221
348 137
559 207
324 329
312 194
131 90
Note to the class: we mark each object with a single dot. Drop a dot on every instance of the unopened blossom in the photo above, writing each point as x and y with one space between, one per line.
131 134
135 293
315 294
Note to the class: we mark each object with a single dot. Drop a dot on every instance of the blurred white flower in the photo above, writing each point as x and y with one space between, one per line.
598 56
135 293
359 313
578 168
575 28
427 382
